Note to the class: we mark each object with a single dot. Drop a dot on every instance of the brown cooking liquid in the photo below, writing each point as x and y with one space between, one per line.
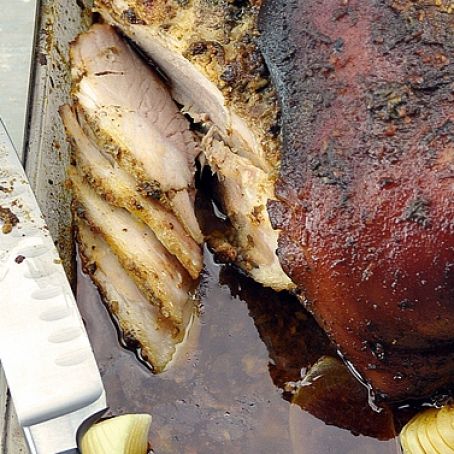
224 393
227 391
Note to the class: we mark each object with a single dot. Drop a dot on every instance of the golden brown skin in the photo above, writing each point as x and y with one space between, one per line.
366 189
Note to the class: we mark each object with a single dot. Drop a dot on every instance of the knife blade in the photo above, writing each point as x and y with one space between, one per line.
44 349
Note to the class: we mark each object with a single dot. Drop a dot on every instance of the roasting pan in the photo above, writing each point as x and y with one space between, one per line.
46 152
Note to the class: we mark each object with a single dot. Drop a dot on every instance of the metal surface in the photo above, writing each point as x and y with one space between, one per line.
45 352
17 27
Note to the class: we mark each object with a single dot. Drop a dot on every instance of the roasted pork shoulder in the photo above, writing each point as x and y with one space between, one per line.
355 192
366 187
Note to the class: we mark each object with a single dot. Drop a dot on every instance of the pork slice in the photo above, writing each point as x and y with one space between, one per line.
180 202
140 148
155 271
245 192
138 319
107 72
133 116
119 188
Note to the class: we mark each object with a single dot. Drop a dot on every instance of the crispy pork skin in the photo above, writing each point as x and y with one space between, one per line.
208 53
119 188
157 274
366 187
134 118
139 320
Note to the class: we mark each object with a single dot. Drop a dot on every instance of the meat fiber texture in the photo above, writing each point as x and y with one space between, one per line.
134 119
366 188
208 52
132 178
141 322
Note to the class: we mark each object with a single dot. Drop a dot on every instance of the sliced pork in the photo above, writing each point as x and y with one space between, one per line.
119 188
138 319
134 118
245 191
156 272
208 52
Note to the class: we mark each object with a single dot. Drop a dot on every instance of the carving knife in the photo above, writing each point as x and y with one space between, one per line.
44 349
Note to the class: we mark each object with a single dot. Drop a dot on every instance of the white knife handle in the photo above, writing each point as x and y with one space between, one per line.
44 349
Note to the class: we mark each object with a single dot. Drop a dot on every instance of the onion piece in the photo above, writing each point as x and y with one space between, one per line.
429 432
126 434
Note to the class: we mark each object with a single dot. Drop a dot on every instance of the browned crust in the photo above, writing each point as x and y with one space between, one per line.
366 183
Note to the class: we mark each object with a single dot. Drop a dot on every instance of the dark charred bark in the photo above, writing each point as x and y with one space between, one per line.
366 188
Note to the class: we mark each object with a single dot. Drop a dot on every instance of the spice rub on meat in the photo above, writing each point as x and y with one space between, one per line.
141 322
133 117
366 186
119 188
208 51
132 179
